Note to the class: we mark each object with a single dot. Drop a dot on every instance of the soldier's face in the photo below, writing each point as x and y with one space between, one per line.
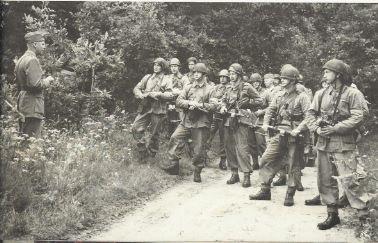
285 82
39 46
157 68
223 79
276 81
174 69
198 76
191 66
329 76
233 76
268 82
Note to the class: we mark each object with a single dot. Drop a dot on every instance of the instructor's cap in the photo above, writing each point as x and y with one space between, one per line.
35 36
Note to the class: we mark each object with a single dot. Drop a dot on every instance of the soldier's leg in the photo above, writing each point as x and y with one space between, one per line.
253 148
346 165
242 135
272 160
156 122
138 130
294 172
261 140
179 136
200 137
232 160
32 127
222 150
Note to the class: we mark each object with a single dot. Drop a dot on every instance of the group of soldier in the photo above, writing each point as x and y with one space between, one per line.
273 119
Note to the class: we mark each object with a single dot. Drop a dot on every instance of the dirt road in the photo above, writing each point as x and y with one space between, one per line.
214 211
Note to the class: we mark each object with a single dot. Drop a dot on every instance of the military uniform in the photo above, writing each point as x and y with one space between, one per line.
217 122
337 151
195 124
152 113
188 78
30 103
237 99
174 115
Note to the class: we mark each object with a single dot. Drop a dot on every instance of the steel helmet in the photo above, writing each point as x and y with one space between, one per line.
224 73
340 67
288 71
255 77
162 62
269 76
237 68
200 67
175 61
192 59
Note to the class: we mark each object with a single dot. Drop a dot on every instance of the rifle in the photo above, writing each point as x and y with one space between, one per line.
22 117
277 130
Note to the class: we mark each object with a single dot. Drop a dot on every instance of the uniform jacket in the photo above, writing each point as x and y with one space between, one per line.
351 112
156 83
188 78
288 109
28 73
240 96
199 93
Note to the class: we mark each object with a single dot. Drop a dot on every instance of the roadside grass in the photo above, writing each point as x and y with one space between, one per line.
65 182
367 228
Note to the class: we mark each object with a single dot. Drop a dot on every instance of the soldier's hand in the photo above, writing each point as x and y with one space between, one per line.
294 132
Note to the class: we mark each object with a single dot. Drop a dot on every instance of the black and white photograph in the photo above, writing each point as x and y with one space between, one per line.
168 121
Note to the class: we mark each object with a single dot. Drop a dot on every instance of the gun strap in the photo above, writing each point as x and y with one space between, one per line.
337 103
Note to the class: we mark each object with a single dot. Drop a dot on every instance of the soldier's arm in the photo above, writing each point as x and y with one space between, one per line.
356 107
311 116
211 104
167 89
182 101
33 73
305 105
141 86
271 110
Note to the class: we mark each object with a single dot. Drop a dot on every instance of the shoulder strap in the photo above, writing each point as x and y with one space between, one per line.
337 103
320 100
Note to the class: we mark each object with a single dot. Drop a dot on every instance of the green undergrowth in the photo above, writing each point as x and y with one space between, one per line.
65 182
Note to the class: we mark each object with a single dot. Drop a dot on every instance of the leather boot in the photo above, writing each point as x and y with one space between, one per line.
289 199
300 187
281 181
234 177
263 194
197 174
174 170
314 201
343 202
255 163
222 164
332 220
247 179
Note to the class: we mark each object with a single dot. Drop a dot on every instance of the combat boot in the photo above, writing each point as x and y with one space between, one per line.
197 174
332 220
174 170
234 177
289 199
263 194
281 181
247 179
222 164
314 201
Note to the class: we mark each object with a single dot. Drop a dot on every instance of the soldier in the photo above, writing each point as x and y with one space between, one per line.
237 121
195 101
334 115
175 79
28 73
257 82
154 92
189 77
217 123
288 108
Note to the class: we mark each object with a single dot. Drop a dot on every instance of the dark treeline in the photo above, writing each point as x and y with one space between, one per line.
260 36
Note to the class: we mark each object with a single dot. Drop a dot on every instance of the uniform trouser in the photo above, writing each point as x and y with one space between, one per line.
277 151
31 126
237 148
257 142
343 164
180 136
142 121
217 125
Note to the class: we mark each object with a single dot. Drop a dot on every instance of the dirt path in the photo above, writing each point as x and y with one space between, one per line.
214 211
